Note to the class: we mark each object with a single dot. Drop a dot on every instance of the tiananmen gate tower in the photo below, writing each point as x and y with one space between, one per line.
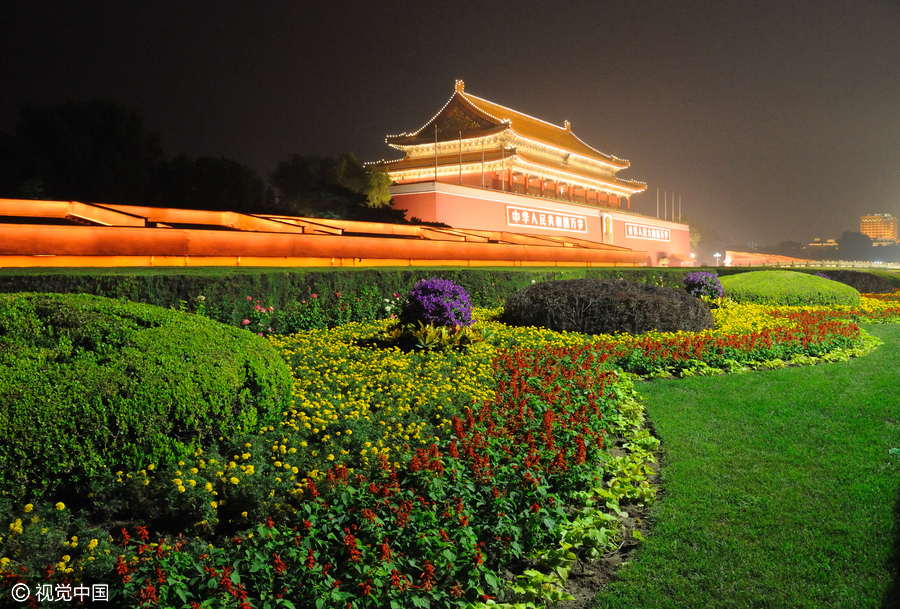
479 165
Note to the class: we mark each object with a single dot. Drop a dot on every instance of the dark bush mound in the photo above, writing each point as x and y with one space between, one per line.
606 306
787 288
88 382
864 283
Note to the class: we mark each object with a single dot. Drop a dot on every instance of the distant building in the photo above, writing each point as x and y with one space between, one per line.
818 244
881 228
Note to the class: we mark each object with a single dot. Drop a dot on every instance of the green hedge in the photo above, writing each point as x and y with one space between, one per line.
226 289
787 288
89 382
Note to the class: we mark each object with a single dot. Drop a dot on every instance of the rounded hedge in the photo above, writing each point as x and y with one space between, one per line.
606 306
787 288
864 283
88 382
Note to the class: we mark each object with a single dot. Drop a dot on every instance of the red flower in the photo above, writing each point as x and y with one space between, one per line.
148 593
269 522
384 552
142 533
366 587
350 542
280 567
310 560
125 537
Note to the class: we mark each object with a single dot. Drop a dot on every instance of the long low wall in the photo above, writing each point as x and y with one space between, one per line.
237 241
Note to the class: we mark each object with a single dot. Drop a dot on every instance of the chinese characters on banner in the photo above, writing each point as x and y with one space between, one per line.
641 231
545 218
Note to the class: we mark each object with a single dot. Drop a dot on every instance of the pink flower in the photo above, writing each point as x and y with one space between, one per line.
271 308
313 296
249 297
245 321
396 295
259 333
258 307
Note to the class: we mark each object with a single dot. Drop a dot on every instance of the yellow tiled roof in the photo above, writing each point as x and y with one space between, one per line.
539 130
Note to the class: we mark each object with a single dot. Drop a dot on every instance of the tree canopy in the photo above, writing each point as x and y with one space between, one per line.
89 151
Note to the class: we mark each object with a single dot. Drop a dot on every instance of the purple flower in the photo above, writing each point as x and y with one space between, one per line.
702 283
439 302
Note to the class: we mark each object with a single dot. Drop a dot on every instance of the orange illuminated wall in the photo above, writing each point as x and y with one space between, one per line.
59 233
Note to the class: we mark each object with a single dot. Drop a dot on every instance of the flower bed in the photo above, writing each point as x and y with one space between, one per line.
401 479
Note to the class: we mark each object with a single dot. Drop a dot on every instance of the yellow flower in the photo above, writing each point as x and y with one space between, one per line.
92 544
233 480
214 504
67 558
208 487
244 514
150 467
181 489
60 506
28 507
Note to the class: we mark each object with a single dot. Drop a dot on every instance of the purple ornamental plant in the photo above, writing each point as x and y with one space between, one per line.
703 283
439 302
823 275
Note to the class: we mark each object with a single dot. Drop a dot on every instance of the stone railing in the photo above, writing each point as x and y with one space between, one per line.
847 264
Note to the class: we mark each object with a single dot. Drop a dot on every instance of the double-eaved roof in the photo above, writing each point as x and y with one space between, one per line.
466 117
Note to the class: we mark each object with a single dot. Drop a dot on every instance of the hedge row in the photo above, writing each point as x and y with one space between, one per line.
226 289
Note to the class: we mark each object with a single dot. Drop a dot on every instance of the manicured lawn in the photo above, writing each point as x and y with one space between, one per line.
778 489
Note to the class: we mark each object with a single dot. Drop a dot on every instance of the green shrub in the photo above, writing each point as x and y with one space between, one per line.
606 306
87 383
864 283
787 288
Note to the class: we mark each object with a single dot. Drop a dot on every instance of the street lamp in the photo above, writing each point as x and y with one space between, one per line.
717 255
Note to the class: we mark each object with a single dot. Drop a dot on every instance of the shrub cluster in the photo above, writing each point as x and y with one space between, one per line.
88 383
864 283
602 306
787 288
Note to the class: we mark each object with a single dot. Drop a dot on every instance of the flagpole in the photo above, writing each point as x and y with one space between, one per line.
460 157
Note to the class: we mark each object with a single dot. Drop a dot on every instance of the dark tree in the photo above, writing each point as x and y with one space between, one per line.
855 246
17 169
331 187
87 151
208 183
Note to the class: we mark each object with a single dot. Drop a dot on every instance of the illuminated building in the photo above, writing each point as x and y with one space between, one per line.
479 165
881 228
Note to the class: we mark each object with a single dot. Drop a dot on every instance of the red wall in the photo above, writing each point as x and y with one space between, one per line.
483 209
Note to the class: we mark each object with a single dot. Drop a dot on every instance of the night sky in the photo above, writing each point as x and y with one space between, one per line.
773 121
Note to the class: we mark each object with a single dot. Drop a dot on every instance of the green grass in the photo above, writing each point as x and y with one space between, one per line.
778 489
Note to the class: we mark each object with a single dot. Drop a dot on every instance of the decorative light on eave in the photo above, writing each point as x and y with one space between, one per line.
575 177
